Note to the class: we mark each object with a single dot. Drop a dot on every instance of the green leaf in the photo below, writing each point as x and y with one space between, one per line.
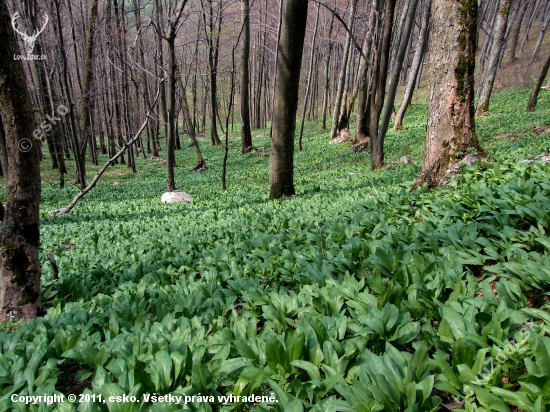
406 333
519 399
163 371
276 354
200 377
310 368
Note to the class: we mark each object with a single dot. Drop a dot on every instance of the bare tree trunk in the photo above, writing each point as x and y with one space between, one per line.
363 117
380 77
546 22
490 36
415 67
160 57
451 126
532 14
146 96
289 62
494 58
281 5
310 74
80 166
246 136
20 232
212 40
343 71
171 109
394 75
87 101
531 106
327 74
516 29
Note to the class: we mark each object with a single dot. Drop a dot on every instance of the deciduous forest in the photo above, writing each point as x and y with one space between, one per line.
275 205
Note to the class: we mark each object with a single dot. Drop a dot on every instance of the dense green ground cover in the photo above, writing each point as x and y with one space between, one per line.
356 295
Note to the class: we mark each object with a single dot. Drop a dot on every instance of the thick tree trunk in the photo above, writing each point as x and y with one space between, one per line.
415 67
499 33
246 136
289 62
531 106
20 232
451 127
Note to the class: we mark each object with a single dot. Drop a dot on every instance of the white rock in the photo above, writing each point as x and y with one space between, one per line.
175 196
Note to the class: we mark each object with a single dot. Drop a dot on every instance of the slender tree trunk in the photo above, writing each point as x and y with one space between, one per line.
80 166
343 71
490 36
246 136
394 76
494 58
327 74
381 74
170 138
362 120
20 232
451 126
531 106
532 13
87 101
310 74
545 23
160 57
516 29
212 40
415 67
289 62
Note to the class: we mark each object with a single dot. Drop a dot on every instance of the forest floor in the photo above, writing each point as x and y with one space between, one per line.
355 295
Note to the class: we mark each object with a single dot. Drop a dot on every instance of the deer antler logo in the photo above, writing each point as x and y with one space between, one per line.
29 40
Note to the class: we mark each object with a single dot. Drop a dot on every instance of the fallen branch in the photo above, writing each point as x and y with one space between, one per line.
109 162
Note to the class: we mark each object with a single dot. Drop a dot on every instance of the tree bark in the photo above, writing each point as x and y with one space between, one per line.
20 232
362 120
531 106
494 58
246 135
310 74
289 62
379 91
334 130
451 127
546 22
516 29
415 67
87 101
394 75
327 75
212 40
